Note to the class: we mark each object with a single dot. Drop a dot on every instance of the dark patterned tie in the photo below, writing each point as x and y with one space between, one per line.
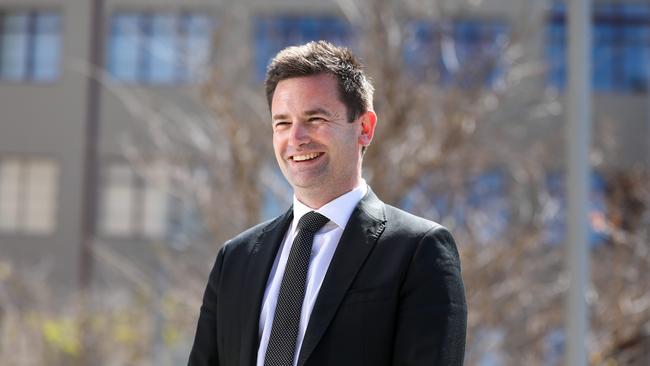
284 331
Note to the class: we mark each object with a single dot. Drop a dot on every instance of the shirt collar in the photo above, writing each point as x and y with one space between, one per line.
338 210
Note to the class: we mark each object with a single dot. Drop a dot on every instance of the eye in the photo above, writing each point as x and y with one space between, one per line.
316 119
280 124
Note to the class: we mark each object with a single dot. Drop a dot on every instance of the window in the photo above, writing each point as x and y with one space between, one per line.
620 49
273 33
159 48
28 195
466 53
30 45
143 205
132 206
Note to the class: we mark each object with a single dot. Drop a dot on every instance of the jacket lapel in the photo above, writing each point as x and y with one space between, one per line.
362 231
261 260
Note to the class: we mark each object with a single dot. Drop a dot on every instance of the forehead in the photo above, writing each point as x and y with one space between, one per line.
303 91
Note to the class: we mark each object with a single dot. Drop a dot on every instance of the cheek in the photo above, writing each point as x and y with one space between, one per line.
277 149
351 140
277 143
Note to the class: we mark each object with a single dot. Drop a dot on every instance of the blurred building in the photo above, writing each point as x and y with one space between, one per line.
51 117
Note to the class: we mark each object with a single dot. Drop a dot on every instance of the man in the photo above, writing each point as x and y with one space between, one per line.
357 282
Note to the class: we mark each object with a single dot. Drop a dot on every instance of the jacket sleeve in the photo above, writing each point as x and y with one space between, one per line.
205 349
432 316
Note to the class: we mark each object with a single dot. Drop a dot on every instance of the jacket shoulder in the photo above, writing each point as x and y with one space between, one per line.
423 236
406 221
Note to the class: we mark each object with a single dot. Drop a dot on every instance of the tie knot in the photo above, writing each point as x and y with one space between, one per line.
312 221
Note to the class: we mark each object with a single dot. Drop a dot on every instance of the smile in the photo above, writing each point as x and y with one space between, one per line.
305 157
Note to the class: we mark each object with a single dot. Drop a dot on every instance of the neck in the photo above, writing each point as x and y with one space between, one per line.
319 197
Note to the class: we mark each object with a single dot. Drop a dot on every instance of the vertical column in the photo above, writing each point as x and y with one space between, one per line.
578 140
89 209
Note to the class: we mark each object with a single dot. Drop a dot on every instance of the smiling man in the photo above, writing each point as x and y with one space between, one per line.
340 278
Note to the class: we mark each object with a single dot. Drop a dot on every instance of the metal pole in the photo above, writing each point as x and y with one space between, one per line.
578 139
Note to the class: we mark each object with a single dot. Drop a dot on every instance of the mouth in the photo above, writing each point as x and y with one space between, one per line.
305 157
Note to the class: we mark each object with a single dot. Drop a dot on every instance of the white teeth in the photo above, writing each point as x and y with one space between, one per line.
305 157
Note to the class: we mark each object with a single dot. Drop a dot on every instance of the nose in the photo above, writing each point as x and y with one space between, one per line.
298 134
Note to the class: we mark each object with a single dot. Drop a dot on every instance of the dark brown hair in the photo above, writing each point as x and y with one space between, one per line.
323 57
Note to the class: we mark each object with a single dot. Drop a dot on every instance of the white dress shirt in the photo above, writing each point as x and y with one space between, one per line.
326 240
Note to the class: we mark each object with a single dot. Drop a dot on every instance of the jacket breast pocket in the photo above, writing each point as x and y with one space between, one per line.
368 295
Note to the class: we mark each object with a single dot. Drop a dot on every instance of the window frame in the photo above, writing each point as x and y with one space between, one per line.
142 72
468 35
22 225
137 186
30 72
614 69
295 29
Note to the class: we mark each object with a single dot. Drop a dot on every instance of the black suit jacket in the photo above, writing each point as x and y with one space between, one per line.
393 295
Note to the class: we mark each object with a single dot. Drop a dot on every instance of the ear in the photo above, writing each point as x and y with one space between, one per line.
368 122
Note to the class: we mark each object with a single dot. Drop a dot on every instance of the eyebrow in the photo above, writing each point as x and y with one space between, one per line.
319 110
310 112
279 117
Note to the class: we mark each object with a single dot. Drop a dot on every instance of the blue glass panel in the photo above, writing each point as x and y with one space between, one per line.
159 48
15 40
603 57
631 57
635 65
620 45
47 47
638 10
274 33
464 52
338 33
644 70
198 25
422 49
461 44
198 38
557 7
605 8
125 46
163 50
556 54
309 30
263 46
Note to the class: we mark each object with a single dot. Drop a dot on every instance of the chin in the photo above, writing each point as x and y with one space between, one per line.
304 185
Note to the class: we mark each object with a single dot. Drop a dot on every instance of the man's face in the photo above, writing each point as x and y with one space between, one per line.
318 150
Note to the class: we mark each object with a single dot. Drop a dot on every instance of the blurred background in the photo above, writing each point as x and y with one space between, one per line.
135 139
